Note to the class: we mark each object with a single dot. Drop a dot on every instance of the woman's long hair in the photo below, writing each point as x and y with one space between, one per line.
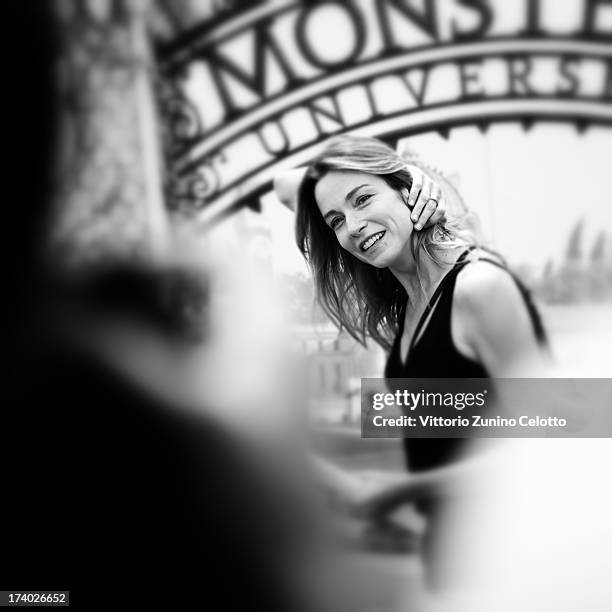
364 300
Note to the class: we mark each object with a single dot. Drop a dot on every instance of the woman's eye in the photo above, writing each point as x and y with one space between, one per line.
362 199
335 223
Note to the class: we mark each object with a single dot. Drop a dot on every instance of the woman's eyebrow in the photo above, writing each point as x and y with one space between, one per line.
352 192
329 214
348 197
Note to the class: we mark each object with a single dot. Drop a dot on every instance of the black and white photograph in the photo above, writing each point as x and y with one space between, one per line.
308 305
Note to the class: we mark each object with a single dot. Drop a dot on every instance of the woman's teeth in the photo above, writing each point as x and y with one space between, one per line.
370 241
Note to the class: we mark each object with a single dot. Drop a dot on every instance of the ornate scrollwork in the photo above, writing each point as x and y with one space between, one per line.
181 121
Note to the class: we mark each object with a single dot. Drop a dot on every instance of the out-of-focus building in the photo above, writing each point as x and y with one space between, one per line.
336 363
584 276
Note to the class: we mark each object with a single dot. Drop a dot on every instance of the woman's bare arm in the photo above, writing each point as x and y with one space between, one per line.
382 492
371 494
286 186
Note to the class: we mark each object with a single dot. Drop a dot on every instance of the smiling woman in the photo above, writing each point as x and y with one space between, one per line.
438 302
371 221
355 226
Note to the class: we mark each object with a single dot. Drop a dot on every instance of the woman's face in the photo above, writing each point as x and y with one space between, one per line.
370 219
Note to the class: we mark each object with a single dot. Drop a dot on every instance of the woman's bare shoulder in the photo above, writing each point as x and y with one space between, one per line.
493 319
482 283
488 300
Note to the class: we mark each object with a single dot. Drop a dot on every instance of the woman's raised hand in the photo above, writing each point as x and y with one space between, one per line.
287 184
425 200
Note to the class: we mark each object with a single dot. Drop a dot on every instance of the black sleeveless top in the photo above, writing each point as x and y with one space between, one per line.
436 356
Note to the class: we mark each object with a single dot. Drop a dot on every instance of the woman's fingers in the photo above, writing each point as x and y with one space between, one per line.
422 199
439 215
435 203
427 213
424 212
415 190
417 198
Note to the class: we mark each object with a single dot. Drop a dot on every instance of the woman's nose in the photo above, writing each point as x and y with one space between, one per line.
355 225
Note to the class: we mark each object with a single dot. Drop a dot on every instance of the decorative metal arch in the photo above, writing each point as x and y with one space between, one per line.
198 149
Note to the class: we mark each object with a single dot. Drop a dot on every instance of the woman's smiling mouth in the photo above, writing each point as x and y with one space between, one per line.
366 244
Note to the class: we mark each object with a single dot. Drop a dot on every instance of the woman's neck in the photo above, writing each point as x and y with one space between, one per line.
419 287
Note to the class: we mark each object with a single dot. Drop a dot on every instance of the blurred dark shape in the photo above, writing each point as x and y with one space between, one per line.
110 490
29 132
598 251
574 246
171 300
548 269
117 496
